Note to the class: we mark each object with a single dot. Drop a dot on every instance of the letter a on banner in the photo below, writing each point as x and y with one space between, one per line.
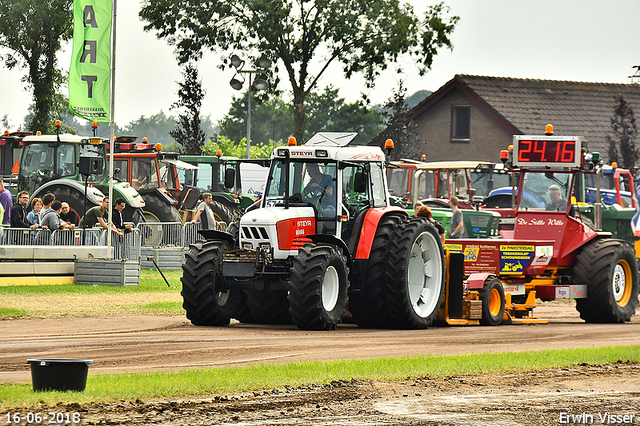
90 72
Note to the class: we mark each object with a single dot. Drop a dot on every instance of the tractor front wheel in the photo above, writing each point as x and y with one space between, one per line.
318 289
415 274
200 271
493 302
610 270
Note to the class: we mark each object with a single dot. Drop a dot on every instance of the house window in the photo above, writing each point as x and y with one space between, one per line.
460 123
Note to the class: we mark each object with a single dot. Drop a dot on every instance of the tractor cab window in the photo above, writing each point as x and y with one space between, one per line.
377 185
424 185
122 167
66 161
312 183
458 184
398 181
549 191
144 173
167 177
443 187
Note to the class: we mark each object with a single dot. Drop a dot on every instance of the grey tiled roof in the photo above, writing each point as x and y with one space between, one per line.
574 108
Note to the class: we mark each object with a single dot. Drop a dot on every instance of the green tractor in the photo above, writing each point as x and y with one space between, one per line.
70 167
221 176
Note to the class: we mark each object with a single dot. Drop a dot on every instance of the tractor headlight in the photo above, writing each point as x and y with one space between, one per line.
247 246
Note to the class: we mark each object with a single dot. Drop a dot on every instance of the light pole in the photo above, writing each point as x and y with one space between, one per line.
262 64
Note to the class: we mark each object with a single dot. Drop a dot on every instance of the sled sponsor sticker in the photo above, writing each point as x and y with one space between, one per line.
543 256
514 259
456 248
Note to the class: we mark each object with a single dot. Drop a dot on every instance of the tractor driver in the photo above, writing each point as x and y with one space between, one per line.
558 203
321 185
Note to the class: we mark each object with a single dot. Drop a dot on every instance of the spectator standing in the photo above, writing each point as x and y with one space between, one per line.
96 216
46 203
69 215
19 214
51 217
5 201
456 229
118 219
204 212
34 214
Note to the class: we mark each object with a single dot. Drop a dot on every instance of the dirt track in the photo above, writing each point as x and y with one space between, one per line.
142 343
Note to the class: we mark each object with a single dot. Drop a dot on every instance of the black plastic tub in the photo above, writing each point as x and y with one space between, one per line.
59 374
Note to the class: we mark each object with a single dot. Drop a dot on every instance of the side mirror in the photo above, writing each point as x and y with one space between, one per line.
230 178
359 182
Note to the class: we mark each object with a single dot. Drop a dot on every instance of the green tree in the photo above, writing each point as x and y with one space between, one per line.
622 145
270 120
59 111
329 113
188 133
400 130
305 36
231 148
34 32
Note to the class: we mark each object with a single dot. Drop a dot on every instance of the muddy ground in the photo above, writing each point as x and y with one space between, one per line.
601 394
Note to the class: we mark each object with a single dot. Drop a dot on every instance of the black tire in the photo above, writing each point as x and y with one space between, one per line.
415 285
222 213
269 306
369 308
157 205
318 287
200 271
135 215
610 270
493 302
233 303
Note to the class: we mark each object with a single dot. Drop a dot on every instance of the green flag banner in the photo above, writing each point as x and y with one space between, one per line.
90 72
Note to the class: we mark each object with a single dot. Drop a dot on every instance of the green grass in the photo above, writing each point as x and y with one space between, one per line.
150 280
8 313
108 388
157 308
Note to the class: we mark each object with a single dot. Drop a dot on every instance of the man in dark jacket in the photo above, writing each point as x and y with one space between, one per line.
19 214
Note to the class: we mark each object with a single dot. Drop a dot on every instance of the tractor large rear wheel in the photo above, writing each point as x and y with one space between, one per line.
369 307
318 288
610 270
156 204
222 212
200 271
415 274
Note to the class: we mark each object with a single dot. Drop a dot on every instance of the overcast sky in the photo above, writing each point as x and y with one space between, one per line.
578 40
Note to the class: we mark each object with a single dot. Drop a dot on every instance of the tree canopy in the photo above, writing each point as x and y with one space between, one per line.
305 37
188 132
34 32
622 145
326 112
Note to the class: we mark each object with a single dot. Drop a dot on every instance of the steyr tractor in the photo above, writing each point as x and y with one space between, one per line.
52 163
325 233
551 251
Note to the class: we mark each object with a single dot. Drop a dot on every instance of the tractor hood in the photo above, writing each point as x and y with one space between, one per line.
284 230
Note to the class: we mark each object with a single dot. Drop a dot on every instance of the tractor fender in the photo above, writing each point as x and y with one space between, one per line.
94 195
369 227
212 234
330 239
476 281
161 194
128 193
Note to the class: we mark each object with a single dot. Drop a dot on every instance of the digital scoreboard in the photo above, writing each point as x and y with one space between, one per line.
551 151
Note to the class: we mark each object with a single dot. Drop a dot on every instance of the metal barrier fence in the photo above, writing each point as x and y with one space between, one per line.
125 248
167 234
154 235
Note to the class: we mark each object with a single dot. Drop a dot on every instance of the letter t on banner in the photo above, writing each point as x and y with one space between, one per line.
90 72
